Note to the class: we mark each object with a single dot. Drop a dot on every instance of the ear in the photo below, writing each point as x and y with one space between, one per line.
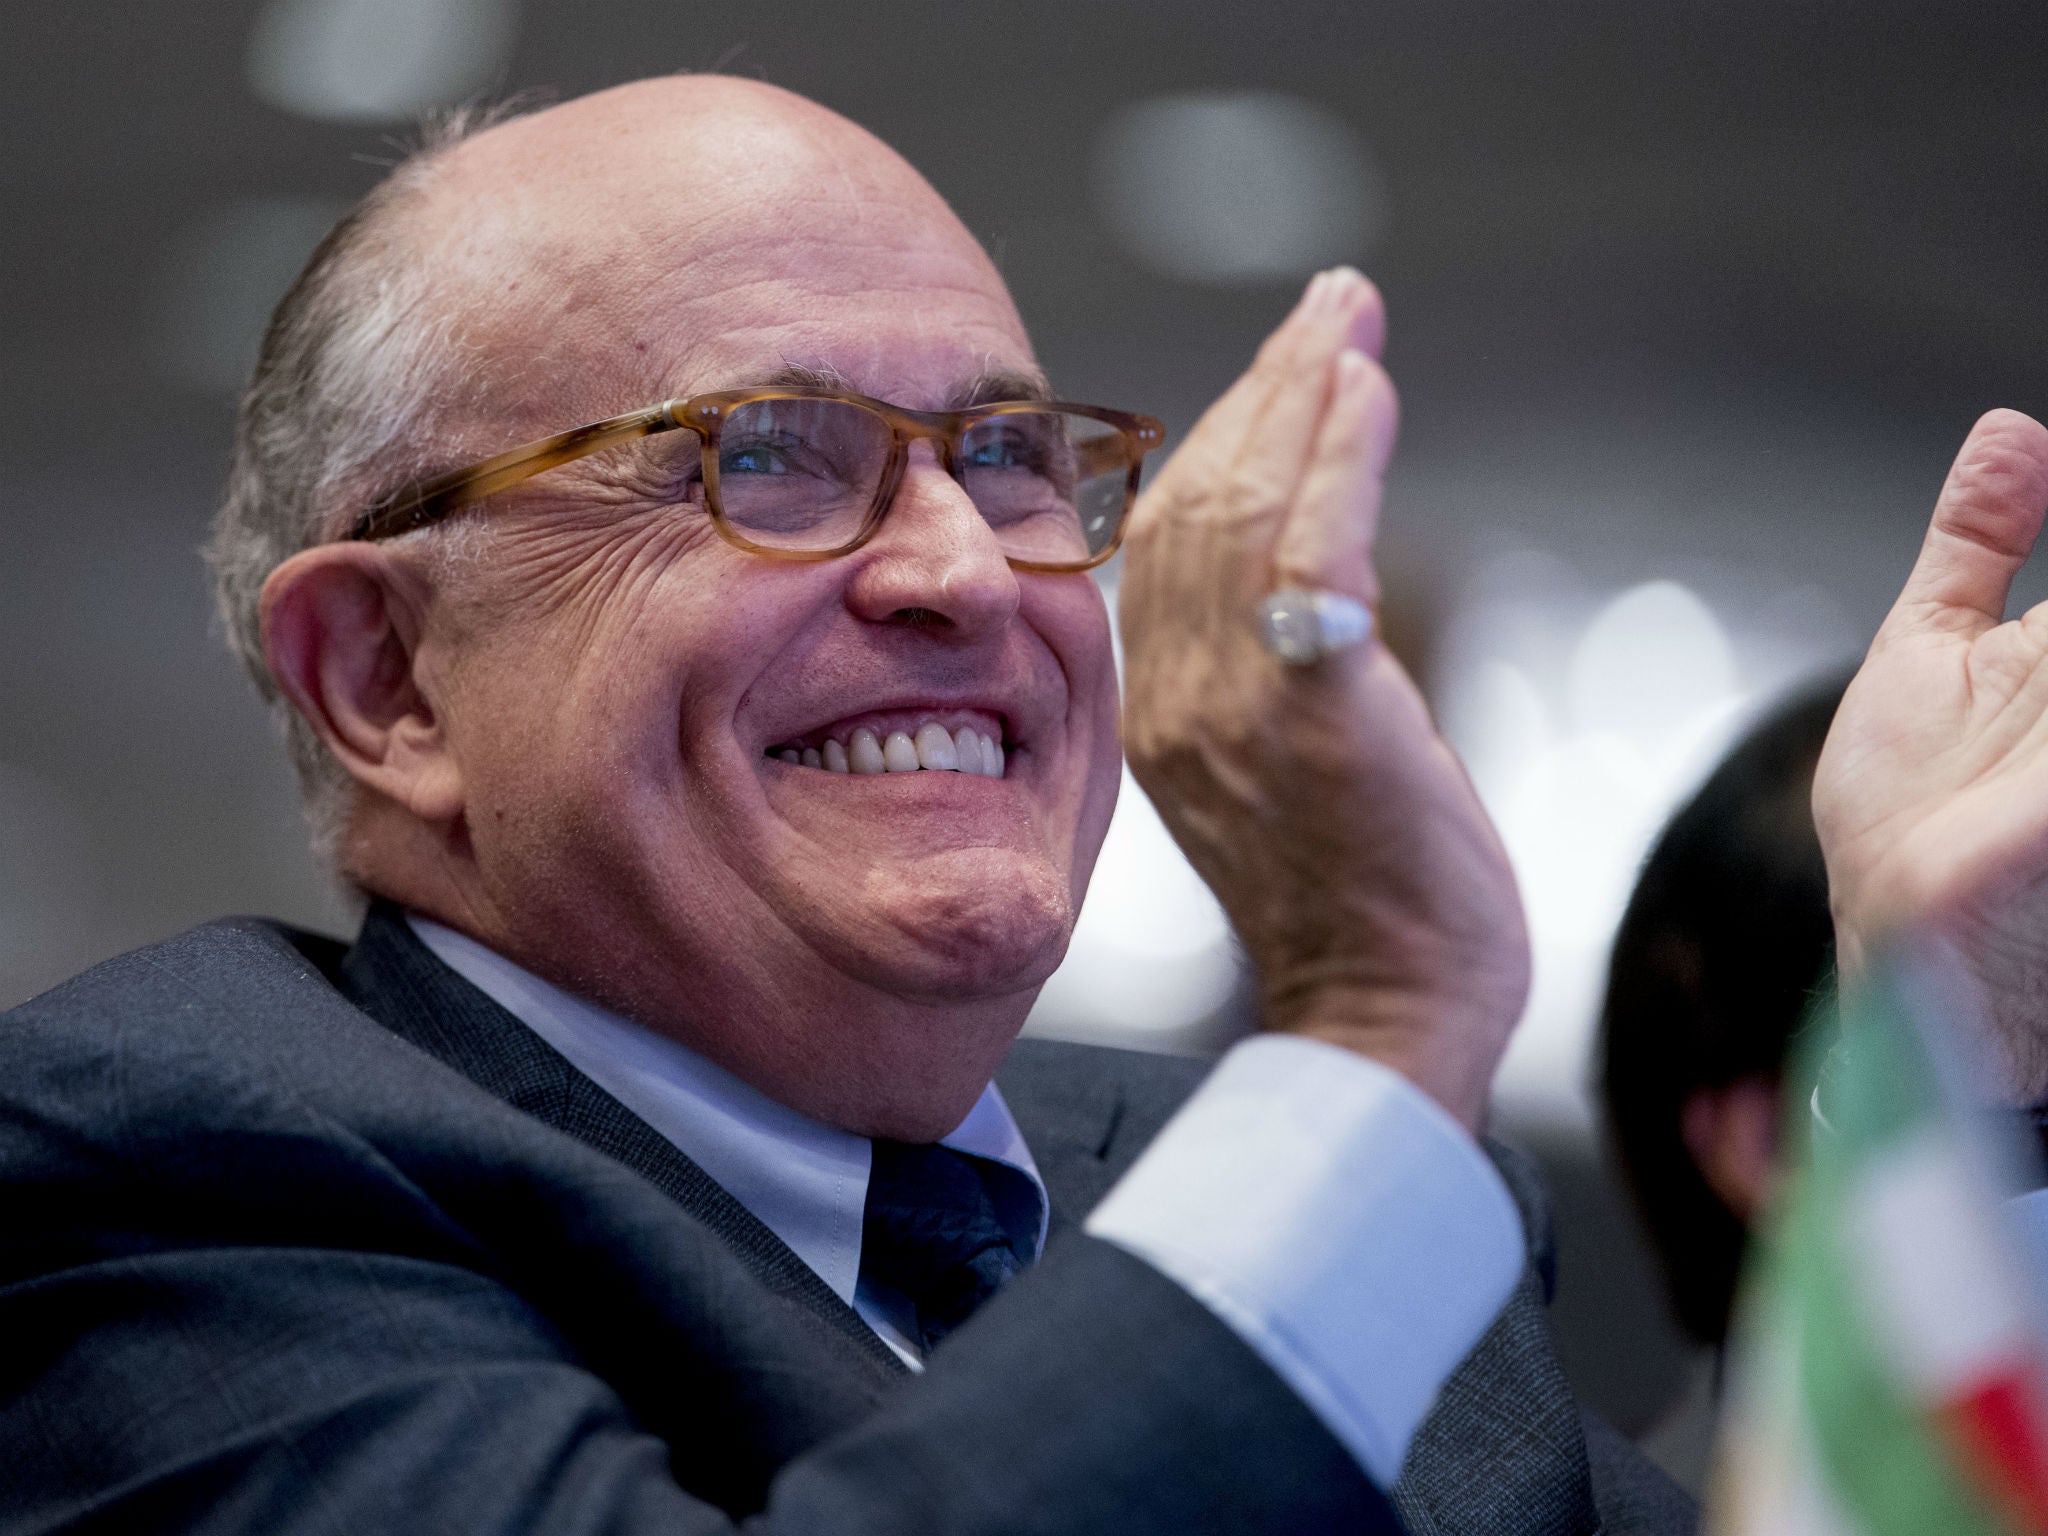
1732 1134
341 633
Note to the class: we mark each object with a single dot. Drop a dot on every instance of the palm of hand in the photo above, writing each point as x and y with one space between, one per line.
1931 797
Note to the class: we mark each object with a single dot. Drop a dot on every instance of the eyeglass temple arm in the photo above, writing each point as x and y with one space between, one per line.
427 501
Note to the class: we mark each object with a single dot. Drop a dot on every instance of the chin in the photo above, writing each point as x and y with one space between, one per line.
965 927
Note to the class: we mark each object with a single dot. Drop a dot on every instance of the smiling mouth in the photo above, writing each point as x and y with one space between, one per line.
927 746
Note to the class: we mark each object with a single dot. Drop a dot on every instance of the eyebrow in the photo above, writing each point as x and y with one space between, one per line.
981 389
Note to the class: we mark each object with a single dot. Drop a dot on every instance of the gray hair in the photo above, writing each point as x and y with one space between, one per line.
351 384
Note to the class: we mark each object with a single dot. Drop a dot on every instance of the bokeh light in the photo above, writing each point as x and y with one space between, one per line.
1236 186
377 61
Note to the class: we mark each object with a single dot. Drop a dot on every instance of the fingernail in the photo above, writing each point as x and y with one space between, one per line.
1312 295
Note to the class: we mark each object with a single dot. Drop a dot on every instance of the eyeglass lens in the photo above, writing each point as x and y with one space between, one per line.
801 474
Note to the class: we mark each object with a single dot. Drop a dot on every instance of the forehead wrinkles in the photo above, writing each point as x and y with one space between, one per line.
586 316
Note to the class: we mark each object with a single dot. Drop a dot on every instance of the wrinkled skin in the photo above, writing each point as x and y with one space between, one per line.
1932 794
568 756
1344 839
560 715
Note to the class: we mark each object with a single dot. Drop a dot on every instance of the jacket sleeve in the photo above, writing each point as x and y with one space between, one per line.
287 1390
231 1303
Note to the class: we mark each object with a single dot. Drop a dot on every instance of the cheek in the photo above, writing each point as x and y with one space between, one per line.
596 654
1105 780
1069 613
556 756
646 720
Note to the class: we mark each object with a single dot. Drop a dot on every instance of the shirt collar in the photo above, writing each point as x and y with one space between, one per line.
805 1181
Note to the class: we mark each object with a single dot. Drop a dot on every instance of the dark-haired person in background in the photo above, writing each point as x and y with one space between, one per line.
1725 939
1719 952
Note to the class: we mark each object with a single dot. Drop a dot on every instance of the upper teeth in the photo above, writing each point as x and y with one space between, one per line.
963 751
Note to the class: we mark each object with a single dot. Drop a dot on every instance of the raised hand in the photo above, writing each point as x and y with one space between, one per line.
1932 794
1335 826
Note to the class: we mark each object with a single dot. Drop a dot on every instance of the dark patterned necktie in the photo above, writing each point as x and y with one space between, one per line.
932 1232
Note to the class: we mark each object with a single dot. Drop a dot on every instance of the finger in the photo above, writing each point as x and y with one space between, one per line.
1327 540
1269 471
1277 360
1254 439
1985 523
1205 531
1368 324
1218 437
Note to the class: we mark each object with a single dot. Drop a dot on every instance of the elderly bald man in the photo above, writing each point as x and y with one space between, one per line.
723 780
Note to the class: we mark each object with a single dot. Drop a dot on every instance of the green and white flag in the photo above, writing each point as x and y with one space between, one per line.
1889 1357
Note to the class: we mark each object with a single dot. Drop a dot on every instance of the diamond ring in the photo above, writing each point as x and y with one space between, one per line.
1302 625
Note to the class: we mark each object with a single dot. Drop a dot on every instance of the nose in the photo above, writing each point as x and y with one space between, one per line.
934 563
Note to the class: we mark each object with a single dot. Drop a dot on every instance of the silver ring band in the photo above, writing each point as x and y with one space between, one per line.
1302 625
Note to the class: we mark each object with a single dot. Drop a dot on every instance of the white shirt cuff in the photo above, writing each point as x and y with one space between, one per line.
1338 1220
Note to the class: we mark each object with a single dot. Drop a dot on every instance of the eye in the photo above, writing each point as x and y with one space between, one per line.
754 459
1003 450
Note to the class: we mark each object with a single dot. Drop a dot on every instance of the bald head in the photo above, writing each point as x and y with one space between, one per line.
606 240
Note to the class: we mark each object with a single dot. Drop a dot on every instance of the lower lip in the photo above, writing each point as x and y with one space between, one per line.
921 776
927 777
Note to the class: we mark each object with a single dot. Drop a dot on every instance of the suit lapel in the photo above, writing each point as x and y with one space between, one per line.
1501 1450
1087 1112
398 982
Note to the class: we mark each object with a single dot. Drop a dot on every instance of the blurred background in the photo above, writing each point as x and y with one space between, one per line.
1691 304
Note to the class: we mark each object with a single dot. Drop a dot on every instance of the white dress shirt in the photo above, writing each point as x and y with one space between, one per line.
1323 1207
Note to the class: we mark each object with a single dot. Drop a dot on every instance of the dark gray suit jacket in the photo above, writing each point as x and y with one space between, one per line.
303 1239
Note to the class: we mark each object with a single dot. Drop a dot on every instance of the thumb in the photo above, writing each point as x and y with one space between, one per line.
1985 522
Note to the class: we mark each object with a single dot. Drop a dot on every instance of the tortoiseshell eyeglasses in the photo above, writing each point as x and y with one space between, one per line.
808 474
